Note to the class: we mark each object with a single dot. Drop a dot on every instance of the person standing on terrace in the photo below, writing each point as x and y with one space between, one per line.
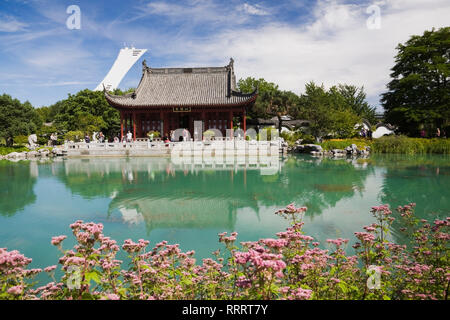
129 136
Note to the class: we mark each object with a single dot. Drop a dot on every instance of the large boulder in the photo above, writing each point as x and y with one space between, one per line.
339 153
16 155
44 152
313 148
11 155
353 149
32 154
308 148
58 152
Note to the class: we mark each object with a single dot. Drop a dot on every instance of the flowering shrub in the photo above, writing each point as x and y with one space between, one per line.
291 266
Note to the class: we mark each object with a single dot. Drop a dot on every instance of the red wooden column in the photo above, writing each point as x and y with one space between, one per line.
244 120
139 124
230 119
121 125
134 125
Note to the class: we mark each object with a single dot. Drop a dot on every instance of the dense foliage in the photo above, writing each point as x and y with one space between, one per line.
248 85
334 112
405 145
16 118
327 112
419 92
393 144
87 111
292 266
344 143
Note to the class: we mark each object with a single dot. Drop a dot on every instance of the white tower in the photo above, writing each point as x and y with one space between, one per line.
125 60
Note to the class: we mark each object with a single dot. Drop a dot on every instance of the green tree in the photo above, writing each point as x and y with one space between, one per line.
265 90
87 111
419 92
278 103
328 112
353 98
17 118
48 113
315 107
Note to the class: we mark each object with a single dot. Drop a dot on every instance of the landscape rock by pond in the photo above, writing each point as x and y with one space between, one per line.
42 153
317 150
308 148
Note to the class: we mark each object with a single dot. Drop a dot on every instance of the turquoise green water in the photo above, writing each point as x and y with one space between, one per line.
156 200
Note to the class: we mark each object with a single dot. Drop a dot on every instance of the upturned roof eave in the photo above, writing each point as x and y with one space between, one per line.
111 100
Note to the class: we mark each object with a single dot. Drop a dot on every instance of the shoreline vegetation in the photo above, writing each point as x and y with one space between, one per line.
387 144
292 266
384 145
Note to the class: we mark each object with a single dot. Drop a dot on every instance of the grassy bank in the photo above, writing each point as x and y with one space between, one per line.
343 143
5 150
405 145
394 144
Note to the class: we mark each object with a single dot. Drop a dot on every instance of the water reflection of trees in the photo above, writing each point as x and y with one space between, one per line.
423 180
166 195
320 183
17 182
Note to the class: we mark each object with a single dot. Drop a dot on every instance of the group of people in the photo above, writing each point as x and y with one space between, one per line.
100 136
366 133
171 137
53 139
129 137
438 134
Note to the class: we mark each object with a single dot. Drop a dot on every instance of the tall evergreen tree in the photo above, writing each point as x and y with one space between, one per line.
419 92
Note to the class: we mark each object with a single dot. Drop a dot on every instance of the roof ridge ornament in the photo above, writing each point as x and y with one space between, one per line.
144 65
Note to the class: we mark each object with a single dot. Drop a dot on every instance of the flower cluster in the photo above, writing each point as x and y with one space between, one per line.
290 266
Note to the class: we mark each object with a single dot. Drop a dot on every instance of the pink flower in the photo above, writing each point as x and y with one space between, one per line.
111 296
50 268
57 240
16 290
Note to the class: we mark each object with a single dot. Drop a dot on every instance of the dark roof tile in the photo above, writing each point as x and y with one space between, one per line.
213 86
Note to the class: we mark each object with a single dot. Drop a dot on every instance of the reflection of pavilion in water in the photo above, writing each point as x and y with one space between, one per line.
167 195
164 194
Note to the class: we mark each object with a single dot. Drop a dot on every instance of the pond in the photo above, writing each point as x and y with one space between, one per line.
155 199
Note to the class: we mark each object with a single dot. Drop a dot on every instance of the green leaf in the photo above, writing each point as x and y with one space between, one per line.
343 286
94 275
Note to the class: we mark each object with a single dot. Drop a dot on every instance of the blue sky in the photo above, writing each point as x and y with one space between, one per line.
288 42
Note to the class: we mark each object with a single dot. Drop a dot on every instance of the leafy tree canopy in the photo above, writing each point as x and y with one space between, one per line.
349 97
17 118
327 112
419 92
88 111
265 89
335 111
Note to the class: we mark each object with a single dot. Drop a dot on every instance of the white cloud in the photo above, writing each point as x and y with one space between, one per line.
335 47
201 12
11 24
254 9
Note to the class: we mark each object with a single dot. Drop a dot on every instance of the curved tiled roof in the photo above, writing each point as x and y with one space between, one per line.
167 87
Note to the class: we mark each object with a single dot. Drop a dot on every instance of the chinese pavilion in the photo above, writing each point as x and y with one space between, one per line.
167 99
